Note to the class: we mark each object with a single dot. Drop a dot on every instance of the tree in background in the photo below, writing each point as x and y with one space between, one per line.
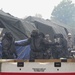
64 12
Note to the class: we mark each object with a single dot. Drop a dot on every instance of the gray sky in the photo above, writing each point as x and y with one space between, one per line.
23 8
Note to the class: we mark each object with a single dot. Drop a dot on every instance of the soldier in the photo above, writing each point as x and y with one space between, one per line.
69 43
8 46
36 45
47 52
60 51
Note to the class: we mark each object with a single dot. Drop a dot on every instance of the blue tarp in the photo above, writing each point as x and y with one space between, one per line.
22 51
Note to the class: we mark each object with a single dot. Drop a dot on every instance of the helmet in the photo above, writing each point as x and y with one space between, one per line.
69 34
8 34
34 33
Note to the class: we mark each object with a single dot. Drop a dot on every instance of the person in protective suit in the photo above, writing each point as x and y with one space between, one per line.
70 44
37 44
60 51
46 48
8 46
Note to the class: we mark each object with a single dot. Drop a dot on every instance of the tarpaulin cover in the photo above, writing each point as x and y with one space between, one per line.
19 28
47 27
